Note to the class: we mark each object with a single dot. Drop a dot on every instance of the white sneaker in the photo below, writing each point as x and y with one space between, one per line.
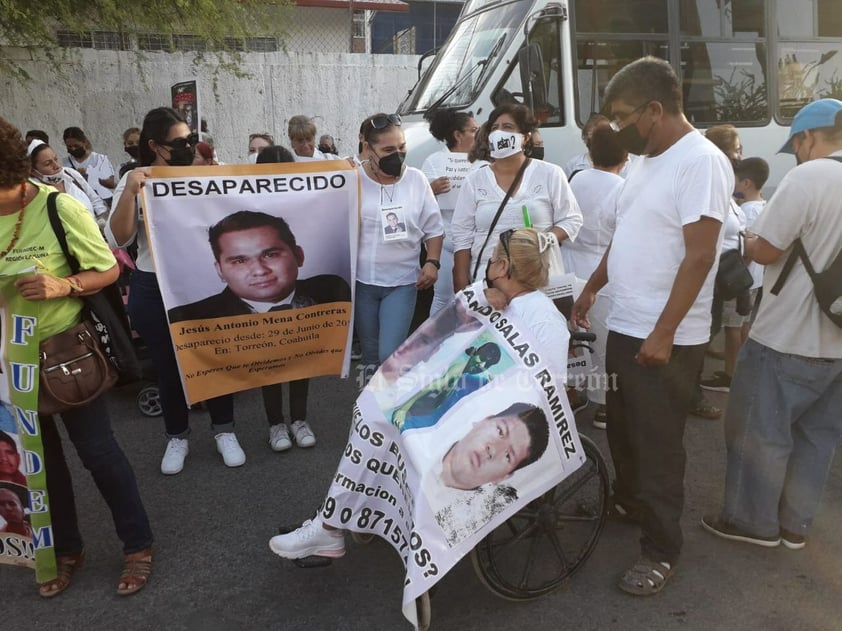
176 452
312 538
232 454
304 436
279 437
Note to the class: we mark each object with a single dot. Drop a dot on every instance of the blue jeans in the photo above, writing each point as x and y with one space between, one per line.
783 423
382 316
89 429
149 319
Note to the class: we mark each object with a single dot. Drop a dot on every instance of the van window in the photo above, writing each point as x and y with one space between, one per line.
546 34
621 16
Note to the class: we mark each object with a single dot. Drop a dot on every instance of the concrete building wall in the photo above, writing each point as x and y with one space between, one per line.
105 92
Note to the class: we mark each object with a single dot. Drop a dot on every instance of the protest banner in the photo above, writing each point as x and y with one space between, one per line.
185 101
459 429
256 266
26 537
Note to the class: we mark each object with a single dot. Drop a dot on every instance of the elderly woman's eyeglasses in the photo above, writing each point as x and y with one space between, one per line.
381 122
181 143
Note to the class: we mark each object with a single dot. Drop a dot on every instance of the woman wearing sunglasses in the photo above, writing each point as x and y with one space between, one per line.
399 214
165 140
535 193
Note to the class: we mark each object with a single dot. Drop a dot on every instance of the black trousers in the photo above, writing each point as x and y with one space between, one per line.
647 411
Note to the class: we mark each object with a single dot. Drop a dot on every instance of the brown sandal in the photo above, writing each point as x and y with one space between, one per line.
136 570
66 566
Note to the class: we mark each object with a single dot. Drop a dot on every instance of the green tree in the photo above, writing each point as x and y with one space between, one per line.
218 24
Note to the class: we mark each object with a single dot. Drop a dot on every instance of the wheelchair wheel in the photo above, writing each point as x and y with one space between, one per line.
424 611
362 538
149 401
536 550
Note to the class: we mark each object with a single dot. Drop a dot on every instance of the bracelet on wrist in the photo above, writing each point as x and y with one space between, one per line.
434 262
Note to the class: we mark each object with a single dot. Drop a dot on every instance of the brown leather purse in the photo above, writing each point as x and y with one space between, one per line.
73 370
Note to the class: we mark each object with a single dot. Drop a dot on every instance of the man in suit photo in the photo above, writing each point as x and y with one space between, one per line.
257 256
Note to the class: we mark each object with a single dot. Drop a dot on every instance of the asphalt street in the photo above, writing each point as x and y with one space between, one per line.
214 572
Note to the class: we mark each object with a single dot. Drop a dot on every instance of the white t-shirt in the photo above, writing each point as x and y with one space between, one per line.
391 260
456 167
807 205
735 223
596 192
549 327
144 256
76 186
98 167
543 190
582 162
317 155
752 211
662 194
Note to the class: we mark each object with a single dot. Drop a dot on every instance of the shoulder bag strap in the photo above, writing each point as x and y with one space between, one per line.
499 212
58 229
798 252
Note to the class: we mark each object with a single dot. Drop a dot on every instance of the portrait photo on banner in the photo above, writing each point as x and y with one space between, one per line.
256 266
490 450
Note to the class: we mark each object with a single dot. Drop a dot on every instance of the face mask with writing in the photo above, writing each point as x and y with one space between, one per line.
50 179
504 144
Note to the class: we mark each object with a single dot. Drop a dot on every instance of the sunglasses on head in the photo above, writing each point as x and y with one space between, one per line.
182 143
505 237
381 122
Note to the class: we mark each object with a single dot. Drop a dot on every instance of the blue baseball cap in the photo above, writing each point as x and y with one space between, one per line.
821 113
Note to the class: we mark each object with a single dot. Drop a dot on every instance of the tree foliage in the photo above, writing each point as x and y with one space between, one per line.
33 25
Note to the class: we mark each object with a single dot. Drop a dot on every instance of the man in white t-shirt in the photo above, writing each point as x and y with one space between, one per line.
661 267
783 421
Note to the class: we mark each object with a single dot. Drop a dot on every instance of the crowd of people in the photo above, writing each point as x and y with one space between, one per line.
641 218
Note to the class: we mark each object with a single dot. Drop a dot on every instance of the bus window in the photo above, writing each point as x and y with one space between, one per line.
621 16
809 18
724 82
808 66
511 90
807 71
715 18
599 60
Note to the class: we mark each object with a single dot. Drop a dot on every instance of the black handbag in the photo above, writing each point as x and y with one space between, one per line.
104 311
732 277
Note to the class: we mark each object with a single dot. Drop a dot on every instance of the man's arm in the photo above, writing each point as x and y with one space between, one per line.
700 238
586 299
760 250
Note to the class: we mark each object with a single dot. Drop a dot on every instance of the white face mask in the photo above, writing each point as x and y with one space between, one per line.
50 179
505 143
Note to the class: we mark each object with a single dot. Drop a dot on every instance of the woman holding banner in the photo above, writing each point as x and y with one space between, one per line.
165 140
518 267
388 276
24 231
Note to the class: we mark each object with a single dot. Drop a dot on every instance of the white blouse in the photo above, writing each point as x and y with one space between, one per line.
388 257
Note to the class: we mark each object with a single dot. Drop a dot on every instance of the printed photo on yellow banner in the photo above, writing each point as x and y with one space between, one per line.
256 266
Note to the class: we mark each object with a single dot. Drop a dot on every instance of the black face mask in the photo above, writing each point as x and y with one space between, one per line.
537 153
631 140
392 164
133 151
77 152
326 149
182 157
